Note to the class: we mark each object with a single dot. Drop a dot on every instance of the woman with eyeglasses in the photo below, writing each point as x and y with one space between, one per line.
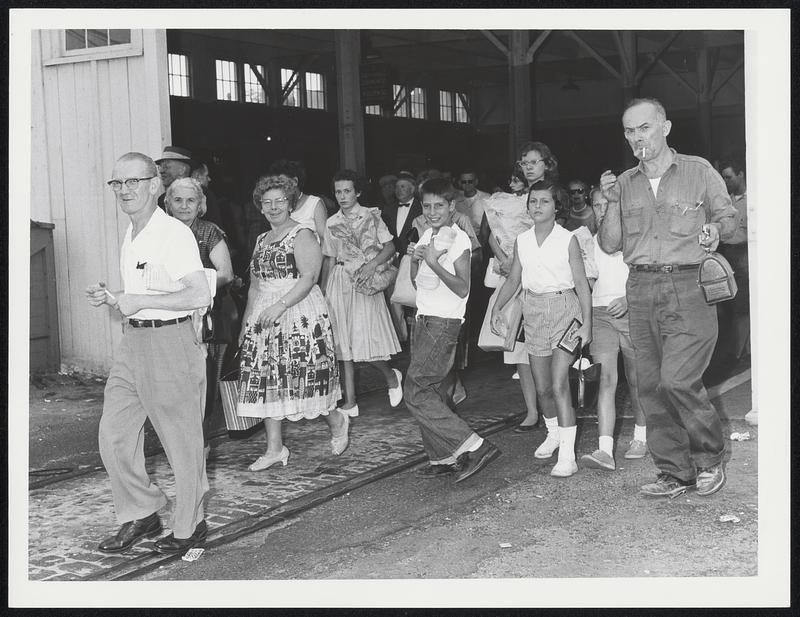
288 365
507 216
539 163
186 201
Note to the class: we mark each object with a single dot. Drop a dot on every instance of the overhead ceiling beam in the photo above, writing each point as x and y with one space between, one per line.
656 56
536 45
416 43
496 42
590 50
622 55
680 79
727 77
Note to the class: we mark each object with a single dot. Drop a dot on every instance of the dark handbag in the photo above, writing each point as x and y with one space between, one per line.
208 327
584 383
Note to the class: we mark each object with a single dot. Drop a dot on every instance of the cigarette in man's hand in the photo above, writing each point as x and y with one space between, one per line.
644 152
108 293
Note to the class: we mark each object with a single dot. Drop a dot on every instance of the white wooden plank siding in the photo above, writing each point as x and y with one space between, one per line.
90 112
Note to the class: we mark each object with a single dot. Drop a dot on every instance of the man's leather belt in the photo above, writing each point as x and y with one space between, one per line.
662 267
156 323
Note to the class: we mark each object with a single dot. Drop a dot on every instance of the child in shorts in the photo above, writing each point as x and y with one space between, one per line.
610 335
440 270
549 267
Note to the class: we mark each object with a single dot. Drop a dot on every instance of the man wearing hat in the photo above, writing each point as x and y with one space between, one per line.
175 162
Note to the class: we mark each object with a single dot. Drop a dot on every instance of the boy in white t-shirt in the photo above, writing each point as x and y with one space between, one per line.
440 270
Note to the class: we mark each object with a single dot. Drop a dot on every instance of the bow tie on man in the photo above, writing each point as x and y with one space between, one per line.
408 205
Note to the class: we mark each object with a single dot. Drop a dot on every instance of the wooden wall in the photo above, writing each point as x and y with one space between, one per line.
86 113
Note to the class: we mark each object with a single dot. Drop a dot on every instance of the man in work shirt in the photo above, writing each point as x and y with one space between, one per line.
664 213
159 372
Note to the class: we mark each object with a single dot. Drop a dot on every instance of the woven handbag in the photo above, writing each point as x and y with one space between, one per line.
229 392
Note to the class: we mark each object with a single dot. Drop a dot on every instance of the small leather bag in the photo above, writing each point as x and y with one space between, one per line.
715 278
584 381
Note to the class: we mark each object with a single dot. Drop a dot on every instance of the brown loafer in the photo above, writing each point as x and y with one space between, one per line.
130 533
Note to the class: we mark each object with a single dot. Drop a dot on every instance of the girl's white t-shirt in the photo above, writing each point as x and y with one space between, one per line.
441 301
545 268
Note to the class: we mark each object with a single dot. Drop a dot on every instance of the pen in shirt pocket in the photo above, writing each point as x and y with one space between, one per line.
687 208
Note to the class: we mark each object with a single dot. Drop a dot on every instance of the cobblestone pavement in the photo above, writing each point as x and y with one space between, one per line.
67 519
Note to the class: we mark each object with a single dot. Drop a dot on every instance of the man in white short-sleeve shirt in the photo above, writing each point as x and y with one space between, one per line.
159 370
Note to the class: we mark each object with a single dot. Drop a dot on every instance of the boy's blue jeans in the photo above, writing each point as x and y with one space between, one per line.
445 436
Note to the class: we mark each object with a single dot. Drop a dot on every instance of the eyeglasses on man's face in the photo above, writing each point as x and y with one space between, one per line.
278 202
529 164
576 191
130 183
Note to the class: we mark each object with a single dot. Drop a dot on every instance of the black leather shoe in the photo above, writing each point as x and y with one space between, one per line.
473 462
130 533
170 545
524 428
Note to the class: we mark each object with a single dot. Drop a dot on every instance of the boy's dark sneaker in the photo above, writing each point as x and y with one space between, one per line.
666 486
473 462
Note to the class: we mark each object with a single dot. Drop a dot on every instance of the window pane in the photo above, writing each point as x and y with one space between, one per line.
86 39
399 92
461 111
253 91
418 103
292 97
97 38
373 110
226 81
179 78
119 37
75 39
445 106
315 91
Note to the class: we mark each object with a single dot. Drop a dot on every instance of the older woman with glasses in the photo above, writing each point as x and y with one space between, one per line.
186 201
538 163
288 363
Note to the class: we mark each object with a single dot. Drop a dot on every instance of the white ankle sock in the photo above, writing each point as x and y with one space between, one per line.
552 427
607 444
639 433
566 449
